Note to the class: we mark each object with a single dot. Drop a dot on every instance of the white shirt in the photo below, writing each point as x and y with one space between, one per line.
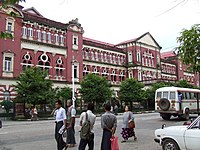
91 118
60 114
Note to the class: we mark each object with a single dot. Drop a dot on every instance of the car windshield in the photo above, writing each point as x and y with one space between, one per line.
195 123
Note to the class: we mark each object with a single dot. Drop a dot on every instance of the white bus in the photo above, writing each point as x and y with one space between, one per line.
176 101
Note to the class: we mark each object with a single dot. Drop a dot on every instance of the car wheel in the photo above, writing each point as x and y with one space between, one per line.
166 116
170 144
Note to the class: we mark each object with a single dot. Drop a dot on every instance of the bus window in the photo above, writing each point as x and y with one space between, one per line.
158 95
165 95
183 95
187 95
192 96
172 95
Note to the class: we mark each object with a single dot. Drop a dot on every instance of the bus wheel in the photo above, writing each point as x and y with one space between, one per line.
187 114
166 116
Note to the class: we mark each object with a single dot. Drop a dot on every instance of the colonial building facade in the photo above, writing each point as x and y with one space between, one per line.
52 46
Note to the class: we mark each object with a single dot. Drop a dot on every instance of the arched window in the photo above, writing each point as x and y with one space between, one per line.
59 68
44 62
85 71
27 61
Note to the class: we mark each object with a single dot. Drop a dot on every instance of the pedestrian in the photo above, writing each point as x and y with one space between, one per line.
71 114
88 115
60 116
34 113
109 125
126 131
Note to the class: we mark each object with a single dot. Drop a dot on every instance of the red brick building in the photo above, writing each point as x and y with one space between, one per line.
51 45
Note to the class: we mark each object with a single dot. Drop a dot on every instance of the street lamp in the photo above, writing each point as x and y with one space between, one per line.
73 89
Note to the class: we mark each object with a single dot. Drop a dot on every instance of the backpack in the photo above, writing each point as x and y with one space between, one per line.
85 132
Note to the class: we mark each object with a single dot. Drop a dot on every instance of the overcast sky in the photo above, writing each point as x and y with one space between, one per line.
114 21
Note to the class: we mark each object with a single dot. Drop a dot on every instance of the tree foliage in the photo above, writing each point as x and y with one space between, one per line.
33 87
95 89
11 2
7 105
131 90
64 93
189 47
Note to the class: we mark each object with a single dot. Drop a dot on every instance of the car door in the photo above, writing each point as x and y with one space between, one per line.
192 137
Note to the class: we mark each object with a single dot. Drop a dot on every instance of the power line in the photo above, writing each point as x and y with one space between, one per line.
181 2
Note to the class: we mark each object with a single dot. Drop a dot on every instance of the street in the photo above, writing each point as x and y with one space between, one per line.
39 135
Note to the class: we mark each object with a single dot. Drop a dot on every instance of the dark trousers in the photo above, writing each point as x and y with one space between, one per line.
71 135
106 143
59 139
83 143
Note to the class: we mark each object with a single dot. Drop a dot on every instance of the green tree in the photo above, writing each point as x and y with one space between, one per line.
131 91
183 84
33 87
64 93
95 89
189 47
7 105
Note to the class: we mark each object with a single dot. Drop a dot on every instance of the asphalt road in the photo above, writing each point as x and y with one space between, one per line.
39 135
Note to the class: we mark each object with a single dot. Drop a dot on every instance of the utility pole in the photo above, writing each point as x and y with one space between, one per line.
73 89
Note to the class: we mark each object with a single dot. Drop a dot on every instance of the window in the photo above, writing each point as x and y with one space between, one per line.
105 57
165 95
138 56
49 37
75 71
30 32
8 62
97 56
75 42
92 55
187 94
102 57
119 62
9 27
158 95
152 62
56 39
146 61
114 59
6 95
172 95
44 36
129 57
61 39
24 31
110 58
39 35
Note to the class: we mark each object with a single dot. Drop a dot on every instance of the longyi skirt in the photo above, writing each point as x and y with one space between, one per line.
127 133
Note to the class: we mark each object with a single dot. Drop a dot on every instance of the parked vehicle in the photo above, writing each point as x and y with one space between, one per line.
176 101
185 137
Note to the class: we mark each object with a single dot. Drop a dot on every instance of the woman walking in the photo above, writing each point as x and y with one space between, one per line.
126 131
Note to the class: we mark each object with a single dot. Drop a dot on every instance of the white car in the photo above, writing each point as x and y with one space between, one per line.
186 137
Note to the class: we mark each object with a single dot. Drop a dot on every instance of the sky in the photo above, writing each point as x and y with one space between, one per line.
115 21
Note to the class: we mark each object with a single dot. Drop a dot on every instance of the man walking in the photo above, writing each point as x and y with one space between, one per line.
88 115
71 114
109 125
60 116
